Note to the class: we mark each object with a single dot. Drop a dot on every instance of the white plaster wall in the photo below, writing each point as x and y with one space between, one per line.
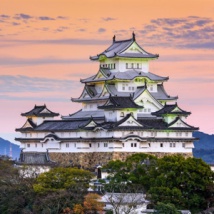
122 64
112 146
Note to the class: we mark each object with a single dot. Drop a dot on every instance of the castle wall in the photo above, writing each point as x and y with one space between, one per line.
90 160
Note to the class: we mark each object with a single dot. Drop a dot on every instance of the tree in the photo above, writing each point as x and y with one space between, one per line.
60 188
186 183
62 178
92 203
162 208
16 191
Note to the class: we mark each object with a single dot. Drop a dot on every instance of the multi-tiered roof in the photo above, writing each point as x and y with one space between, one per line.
122 102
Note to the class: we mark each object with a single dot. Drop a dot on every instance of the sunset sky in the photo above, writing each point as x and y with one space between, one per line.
45 47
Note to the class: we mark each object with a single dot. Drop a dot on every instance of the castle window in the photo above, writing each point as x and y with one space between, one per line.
105 144
67 145
183 145
75 145
137 65
149 144
186 134
114 66
35 144
42 144
122 114
28 145
161 145
89 144
132 65
123 144
98 145
132 88
127 65
133 144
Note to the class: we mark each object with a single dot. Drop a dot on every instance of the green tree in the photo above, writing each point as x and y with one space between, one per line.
162 208
60 189
186 183
16 190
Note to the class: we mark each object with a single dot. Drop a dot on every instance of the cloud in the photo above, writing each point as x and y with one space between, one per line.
189 32
15 23
61 29
73 41
12 61
19 83
45 18
107 19
3 16
62 17
22 16
81 30
101 30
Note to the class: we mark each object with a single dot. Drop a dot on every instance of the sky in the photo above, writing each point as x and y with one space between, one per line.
45 47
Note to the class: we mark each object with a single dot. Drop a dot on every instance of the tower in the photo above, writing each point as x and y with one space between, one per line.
125 110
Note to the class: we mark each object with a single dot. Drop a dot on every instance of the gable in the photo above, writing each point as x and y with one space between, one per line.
104 93
131 121
45 111
146 97
179 124
177 109
27 125
134 48
91 124
84 94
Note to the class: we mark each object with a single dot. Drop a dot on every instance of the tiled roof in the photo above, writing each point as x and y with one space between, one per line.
126 75
37 111
118 47
119 103
169 109
35 158
84 115
159 95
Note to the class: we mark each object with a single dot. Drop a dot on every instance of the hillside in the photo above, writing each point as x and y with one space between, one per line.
204 148
5 148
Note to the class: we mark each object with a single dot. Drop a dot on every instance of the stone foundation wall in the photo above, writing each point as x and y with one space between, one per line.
90 160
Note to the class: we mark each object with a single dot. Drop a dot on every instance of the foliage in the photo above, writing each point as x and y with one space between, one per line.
91 205
162 208
19 193
186 183
62 178
16 192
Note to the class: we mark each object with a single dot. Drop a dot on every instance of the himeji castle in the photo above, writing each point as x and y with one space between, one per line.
125 110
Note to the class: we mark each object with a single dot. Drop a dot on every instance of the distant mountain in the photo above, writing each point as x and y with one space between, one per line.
204 147
5 148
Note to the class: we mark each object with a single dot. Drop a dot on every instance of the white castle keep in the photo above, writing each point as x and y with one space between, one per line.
125 110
